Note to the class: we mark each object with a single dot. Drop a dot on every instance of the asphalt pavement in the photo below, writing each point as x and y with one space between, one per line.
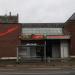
37 71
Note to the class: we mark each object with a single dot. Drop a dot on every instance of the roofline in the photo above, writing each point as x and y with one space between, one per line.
42 25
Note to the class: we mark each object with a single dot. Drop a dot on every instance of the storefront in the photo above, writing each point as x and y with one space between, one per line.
40 48
36 41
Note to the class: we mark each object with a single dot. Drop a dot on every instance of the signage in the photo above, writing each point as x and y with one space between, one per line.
57 37
37 37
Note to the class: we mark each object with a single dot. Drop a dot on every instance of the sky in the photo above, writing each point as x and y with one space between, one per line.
39 11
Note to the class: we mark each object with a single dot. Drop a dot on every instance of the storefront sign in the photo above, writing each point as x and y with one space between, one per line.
57 37
37 37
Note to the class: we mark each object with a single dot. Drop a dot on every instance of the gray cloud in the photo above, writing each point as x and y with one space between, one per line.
39 10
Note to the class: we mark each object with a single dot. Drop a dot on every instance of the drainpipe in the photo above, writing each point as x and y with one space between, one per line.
17 55
45 51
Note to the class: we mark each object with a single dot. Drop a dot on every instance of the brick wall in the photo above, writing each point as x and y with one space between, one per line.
70 28
9 39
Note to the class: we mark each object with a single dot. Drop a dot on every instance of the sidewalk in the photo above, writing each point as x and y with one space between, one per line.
38 66
52 64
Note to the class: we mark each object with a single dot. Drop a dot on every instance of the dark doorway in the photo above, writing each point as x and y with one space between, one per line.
53 48
48 49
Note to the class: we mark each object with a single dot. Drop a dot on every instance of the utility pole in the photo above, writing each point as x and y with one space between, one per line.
45 51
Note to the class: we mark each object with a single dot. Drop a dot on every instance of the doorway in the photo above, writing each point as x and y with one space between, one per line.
53 48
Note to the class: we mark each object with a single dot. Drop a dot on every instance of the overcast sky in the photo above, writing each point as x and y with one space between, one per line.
48 11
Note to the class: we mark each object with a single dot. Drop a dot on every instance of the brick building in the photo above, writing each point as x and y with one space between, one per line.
69 28
9 33
31 41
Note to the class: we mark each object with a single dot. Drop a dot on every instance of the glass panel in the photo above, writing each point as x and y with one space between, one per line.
47 31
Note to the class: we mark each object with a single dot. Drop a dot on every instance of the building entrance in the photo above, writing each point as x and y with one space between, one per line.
49 51
39 50
53 48
31 51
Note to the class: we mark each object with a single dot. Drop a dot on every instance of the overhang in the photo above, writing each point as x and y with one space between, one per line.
41 37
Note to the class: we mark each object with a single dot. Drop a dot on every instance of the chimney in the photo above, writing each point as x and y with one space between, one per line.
17 15
9 13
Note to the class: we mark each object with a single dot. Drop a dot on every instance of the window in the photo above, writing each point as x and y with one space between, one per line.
47 31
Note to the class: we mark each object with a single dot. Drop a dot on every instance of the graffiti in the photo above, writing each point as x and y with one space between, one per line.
8 31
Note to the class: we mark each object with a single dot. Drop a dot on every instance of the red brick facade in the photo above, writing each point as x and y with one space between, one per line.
9 39
70 28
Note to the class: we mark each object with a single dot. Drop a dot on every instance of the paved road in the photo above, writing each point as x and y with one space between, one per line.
35 71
